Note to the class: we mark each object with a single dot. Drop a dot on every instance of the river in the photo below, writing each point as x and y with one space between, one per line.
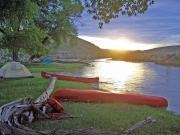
146 78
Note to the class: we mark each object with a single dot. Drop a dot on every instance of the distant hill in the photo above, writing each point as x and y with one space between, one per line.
169 55
164 51
81 50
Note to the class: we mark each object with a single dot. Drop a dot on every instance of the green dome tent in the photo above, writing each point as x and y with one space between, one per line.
14 70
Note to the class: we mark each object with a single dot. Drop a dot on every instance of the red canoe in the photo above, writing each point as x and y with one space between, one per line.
70 78
97 96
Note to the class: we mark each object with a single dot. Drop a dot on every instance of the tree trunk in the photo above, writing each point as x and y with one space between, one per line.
15 54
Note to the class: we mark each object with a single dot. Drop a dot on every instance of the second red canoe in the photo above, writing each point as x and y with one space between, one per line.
70 78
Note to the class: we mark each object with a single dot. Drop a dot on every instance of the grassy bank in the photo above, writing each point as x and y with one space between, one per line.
33 87
106 117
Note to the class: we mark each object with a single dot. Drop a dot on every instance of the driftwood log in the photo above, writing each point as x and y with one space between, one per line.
14 116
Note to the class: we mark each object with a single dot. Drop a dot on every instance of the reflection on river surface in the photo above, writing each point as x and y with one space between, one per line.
146 78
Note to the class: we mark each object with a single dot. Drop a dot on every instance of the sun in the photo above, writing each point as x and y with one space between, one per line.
121 43
117 44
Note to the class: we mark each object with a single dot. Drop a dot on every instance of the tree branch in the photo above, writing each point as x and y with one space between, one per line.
2 31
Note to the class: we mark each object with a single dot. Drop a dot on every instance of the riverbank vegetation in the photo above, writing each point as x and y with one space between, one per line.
105 117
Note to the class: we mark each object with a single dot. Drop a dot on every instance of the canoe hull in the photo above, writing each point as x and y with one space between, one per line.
96 96
70 78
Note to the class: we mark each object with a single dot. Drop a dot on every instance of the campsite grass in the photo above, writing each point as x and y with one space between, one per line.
106 117
33 87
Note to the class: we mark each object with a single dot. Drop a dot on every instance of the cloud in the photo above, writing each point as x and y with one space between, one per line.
121 43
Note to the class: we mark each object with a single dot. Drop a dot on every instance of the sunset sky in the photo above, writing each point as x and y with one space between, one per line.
158 26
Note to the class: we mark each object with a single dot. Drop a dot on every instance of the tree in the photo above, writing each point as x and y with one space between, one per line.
28 24
57 17
18 27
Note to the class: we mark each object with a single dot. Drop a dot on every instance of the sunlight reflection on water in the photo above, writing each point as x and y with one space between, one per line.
115 75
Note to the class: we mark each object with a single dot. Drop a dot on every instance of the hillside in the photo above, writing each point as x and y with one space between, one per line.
164 51
169 55
81 50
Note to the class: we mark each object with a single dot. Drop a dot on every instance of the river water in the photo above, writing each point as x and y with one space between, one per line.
145 78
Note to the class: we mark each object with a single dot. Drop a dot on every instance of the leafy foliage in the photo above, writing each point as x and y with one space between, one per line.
58 17
28 24
18 27
105 10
